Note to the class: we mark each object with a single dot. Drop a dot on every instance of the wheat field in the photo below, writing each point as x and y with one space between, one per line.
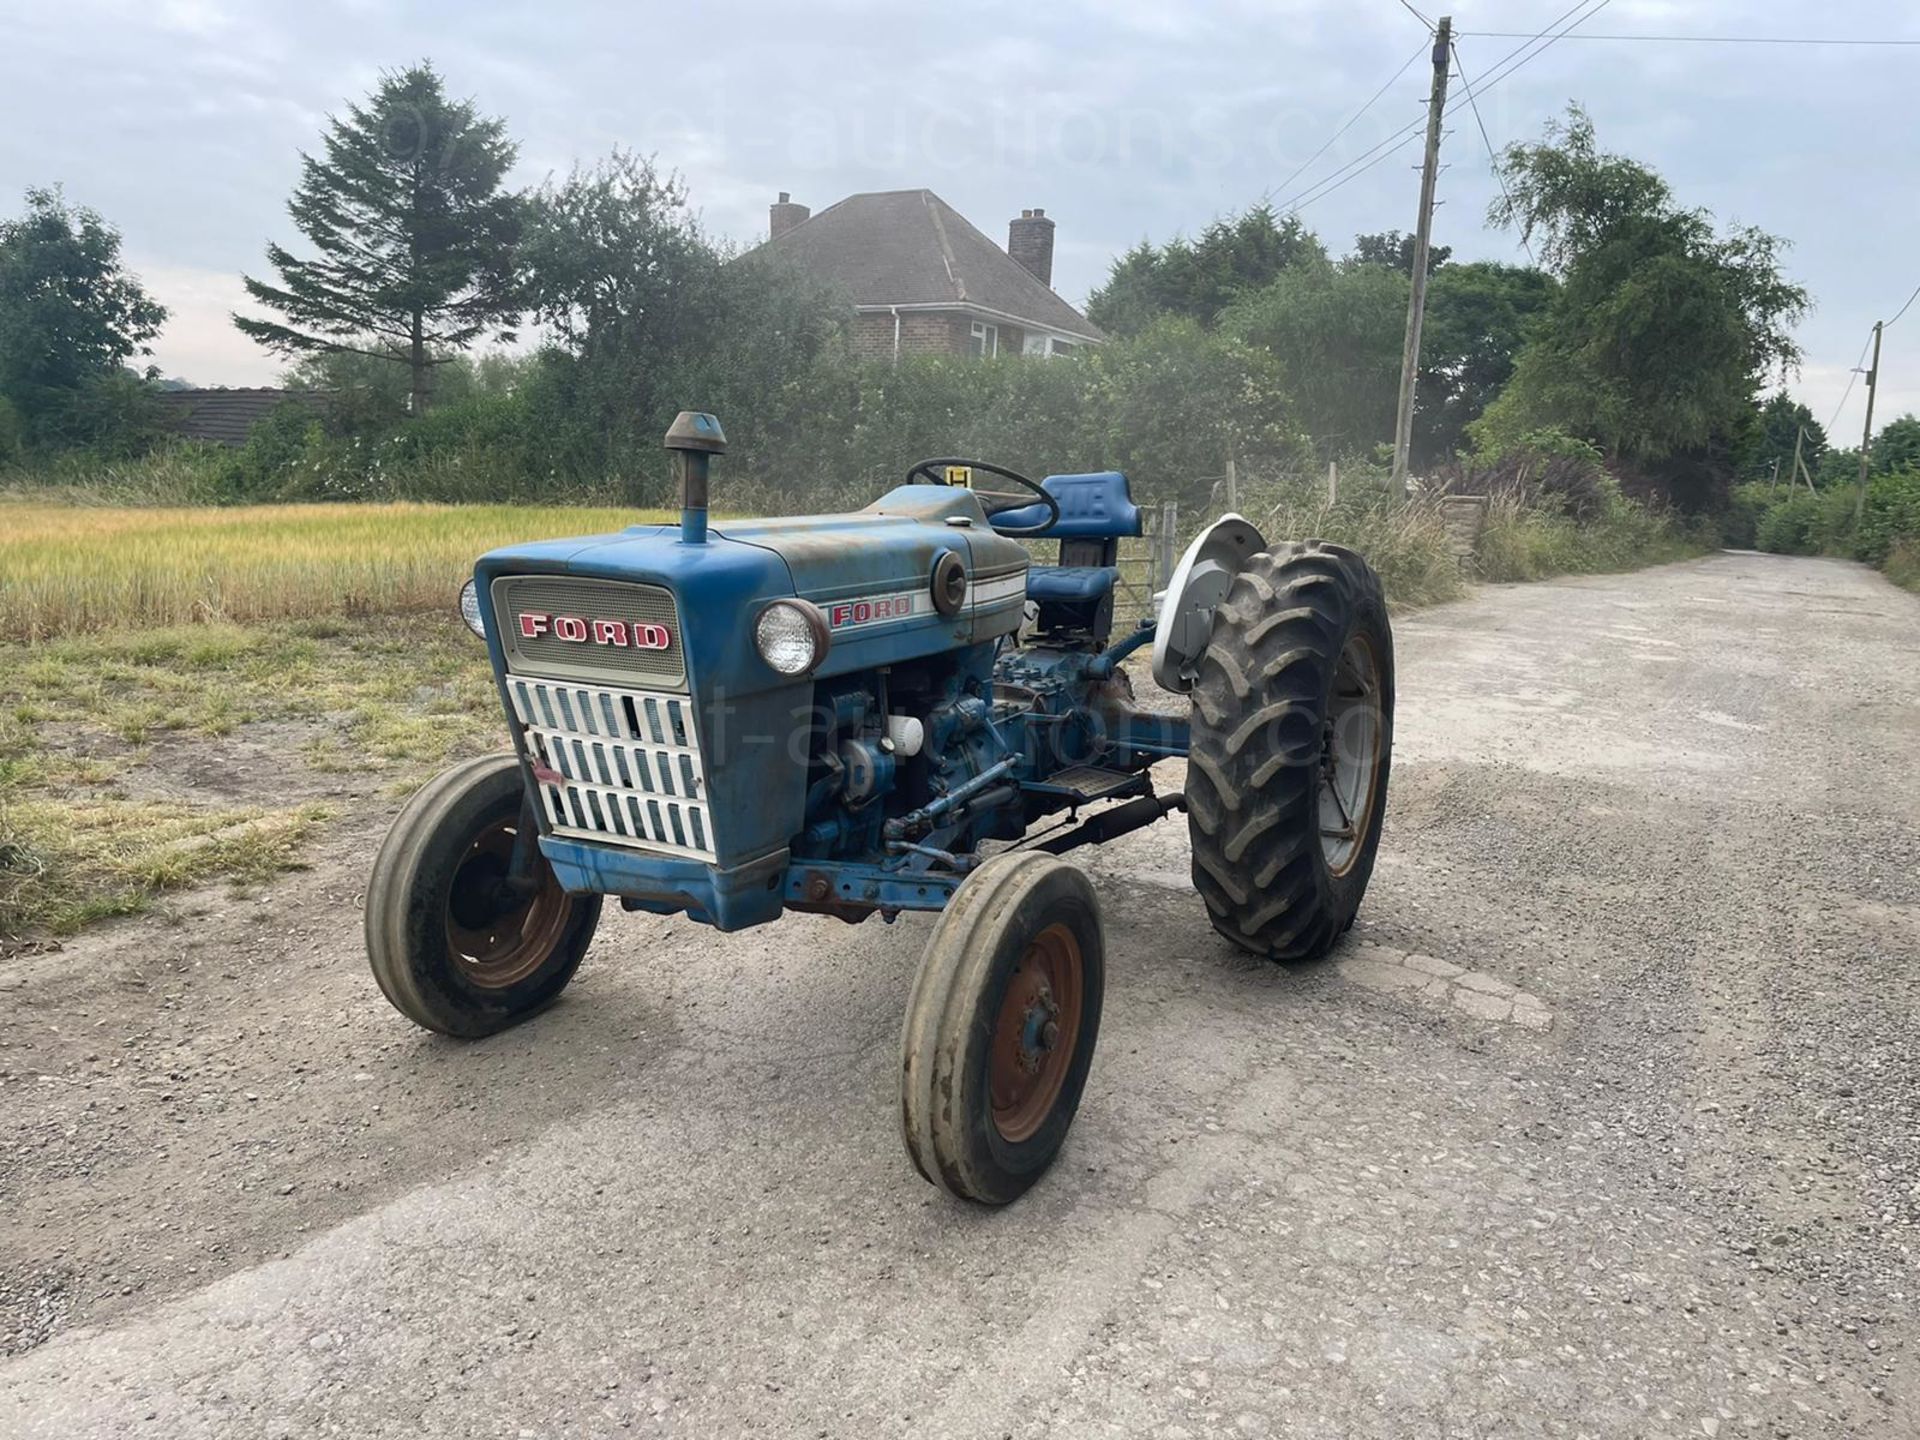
67 569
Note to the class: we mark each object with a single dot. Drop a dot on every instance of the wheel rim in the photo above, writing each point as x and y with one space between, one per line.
1036 1033
1350 755
496 937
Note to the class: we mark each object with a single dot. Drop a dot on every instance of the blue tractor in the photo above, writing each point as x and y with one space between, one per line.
872 712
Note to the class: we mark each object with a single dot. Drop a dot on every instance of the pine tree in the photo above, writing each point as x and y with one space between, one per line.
414 233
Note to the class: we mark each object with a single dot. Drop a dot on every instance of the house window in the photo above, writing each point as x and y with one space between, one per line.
985 340
1048 345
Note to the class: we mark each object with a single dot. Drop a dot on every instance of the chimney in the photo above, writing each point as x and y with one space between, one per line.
1030 242
783 215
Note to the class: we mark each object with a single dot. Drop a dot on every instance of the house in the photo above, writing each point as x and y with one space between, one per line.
923 281
225 416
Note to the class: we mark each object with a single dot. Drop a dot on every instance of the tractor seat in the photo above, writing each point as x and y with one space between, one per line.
1096 512
1070 582
1095 506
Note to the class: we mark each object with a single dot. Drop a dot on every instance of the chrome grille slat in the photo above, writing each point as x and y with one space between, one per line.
629 763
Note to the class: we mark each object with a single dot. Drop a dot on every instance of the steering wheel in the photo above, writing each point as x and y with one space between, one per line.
995 502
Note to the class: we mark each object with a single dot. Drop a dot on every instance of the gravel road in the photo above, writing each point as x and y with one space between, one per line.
1605 1121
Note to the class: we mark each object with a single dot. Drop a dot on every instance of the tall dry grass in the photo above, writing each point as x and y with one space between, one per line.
67 569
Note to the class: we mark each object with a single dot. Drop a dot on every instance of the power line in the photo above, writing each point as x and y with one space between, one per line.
1906 307
1492 158
1513 60
1503 69
1705 39
1355 120
1853 378
1417 16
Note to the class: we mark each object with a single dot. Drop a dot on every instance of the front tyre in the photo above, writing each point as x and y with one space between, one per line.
1001 1027
456 945
1292 738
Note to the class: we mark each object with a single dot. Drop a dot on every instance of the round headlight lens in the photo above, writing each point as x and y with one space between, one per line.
470 609
791 636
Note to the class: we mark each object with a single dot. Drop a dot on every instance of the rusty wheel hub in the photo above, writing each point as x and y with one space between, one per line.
499 933
1035 1033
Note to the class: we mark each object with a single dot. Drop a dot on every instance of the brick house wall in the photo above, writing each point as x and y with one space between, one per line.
924 332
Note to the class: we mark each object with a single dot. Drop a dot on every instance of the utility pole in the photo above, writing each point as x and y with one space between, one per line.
1422 241
1866 438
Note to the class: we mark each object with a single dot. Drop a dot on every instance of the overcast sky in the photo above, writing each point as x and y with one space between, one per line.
180 120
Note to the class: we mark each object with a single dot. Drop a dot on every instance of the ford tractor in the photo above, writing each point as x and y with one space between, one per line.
895 710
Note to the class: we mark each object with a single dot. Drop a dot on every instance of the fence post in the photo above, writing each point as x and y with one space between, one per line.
1169 530
1333 483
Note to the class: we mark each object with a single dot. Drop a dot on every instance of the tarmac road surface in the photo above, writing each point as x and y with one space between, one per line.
1604 1122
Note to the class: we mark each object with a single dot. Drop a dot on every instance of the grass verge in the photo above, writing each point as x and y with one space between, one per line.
101 808
1903 565
1535 543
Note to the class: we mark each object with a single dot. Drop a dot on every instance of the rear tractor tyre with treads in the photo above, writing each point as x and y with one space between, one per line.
1292 739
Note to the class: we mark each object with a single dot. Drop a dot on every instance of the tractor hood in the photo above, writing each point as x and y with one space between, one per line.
869 571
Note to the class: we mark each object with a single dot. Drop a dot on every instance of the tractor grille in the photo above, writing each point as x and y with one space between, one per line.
621 766
630 605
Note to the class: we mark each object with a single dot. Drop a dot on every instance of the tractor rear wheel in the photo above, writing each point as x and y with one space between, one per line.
457 945
1292 738
1001 1027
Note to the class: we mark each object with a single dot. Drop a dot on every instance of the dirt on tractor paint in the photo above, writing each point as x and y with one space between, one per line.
1605 1121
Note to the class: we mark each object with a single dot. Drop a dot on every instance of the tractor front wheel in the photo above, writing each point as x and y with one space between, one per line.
1001 1027
459 943
1292 737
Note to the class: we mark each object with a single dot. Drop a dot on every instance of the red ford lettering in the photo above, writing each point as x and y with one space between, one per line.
862 612
579 630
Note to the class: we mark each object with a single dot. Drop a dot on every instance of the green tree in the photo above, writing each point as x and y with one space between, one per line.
1896 447
1335 332
614 263
70 314
1479 316
650 318
1199 279
1662 331
1837 467
1169 405
1770 439
413 231
1395 251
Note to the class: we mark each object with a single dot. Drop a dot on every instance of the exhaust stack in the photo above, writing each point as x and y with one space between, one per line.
693 439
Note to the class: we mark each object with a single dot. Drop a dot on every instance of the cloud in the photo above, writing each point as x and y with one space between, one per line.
181 120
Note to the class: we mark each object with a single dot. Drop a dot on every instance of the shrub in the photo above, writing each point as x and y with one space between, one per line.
1522 542
1791 526
1903 564
1543 467
1407 544
1891 515
1746 506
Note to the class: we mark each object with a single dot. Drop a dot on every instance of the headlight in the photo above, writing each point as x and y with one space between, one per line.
470 609
791 636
